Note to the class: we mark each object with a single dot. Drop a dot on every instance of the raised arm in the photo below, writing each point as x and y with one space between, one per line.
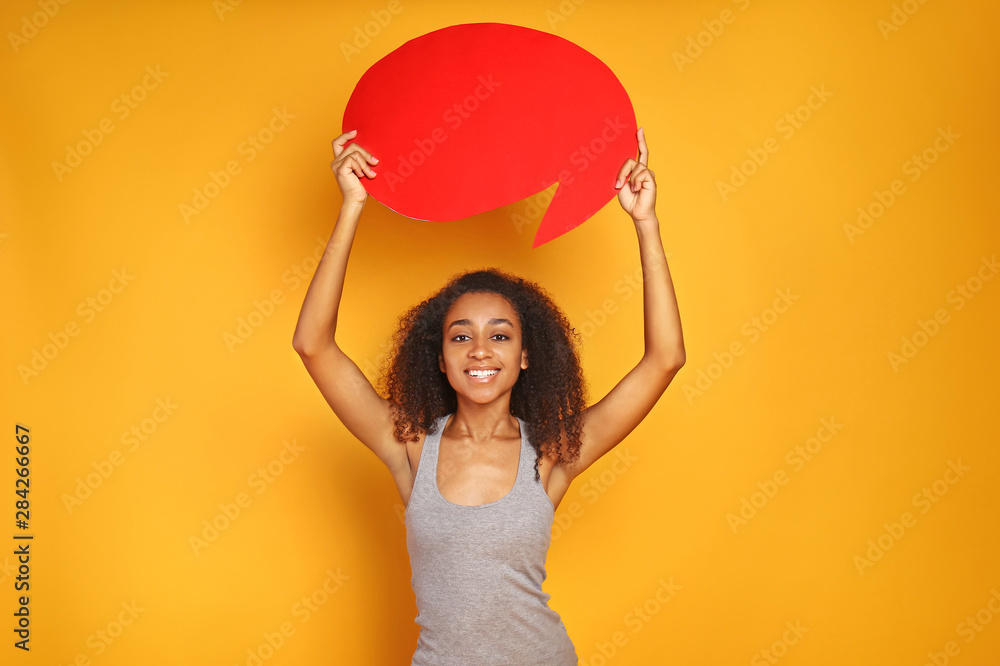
610 420
351 396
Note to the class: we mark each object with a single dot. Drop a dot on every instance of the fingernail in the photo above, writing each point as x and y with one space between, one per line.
374 159
618 183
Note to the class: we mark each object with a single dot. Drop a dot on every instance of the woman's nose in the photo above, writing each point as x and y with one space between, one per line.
480 350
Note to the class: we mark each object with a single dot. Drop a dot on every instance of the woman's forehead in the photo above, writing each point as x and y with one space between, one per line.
479 307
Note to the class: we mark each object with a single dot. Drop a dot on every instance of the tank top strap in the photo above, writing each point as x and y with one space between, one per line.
426 477
526 465
427 467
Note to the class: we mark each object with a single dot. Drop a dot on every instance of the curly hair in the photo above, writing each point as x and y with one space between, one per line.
549 396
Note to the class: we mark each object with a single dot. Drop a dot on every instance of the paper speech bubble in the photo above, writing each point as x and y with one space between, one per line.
473 117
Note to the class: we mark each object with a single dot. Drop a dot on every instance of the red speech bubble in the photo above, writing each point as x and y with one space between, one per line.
473 117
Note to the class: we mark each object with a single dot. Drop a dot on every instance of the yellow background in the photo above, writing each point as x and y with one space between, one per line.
696 456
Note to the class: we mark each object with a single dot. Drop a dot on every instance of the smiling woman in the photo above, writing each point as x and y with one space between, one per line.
482 422
485 321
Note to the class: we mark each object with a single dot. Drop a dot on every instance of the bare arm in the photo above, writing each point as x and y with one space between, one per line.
610 420
317 326
663 339
349 393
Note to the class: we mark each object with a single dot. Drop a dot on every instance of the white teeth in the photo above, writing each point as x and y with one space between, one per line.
482 373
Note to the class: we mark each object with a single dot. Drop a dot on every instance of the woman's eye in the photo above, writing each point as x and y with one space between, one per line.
459 338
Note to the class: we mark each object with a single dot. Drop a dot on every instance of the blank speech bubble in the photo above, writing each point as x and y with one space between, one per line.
473 117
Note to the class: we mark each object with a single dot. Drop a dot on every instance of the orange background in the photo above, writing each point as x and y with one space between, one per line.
726 430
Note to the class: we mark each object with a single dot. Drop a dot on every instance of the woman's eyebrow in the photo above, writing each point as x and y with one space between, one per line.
496 321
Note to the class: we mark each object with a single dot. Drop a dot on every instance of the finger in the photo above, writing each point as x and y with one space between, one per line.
338 147
645 180
637 176
359 166
355 149
643 150
623 173
348 163
338 143
357 160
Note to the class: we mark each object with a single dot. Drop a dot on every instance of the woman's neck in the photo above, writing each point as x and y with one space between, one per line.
480 422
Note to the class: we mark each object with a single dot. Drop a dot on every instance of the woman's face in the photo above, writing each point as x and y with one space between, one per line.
482 352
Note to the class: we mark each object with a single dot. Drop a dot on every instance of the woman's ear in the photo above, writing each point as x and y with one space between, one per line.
524 359
441 362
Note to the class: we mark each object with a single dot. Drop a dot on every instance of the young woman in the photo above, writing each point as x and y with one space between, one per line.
483 425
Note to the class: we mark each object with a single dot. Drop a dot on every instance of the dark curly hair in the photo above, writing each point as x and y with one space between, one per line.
549 396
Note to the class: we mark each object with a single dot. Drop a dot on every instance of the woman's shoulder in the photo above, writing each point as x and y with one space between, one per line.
415 443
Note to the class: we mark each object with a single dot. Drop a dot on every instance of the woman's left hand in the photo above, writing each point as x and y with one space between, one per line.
636 185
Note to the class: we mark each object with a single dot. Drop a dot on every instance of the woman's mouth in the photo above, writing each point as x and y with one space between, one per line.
483 375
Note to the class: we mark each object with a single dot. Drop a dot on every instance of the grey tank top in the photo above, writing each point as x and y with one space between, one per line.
478 571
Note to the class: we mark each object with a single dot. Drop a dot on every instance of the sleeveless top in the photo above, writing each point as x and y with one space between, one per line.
478 571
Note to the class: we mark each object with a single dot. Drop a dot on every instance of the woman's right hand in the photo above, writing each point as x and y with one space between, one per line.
349 165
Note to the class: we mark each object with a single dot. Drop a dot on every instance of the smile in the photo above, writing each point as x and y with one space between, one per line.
481 374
